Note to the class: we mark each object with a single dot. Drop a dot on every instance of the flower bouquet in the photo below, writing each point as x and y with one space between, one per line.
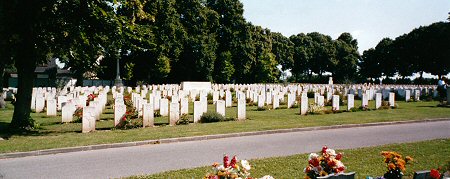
321 165
232 170
395 164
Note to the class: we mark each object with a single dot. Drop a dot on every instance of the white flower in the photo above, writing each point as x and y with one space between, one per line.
339 164
331 152
220 168
267 177
312 156
245 164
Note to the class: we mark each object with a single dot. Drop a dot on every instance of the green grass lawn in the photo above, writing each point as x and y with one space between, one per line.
363 161
53 134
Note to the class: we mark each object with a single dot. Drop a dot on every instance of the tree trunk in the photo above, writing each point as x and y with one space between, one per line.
2 73
25 63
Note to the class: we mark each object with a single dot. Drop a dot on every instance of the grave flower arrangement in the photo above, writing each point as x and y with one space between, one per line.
395 164
325 164
232 170
441 172
90 98
130 119
78 114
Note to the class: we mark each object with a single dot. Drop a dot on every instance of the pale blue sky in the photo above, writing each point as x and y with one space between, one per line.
367 20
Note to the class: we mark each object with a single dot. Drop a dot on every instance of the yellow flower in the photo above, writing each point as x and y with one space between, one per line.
323 173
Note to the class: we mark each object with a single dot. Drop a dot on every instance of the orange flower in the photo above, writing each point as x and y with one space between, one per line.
409 159
391 166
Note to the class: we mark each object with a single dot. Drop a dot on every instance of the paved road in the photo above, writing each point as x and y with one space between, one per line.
119 162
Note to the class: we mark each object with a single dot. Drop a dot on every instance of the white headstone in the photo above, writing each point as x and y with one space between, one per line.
392 99
321 101
184 102
417 95
378 100
148 115
220 107
407 95
119 111
304 105
365 100
174 113
241 111
276 102
291 100
228 99
51 107
164 107
261 101
67 112
335 103
88 121
198 112
215 96
40 104
350 101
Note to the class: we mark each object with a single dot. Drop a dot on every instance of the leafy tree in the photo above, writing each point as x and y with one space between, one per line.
30 26
198 57
231 33
346 57
283 50
370 66
302 54
323 53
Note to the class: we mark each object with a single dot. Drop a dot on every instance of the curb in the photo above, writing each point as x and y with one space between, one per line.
206 137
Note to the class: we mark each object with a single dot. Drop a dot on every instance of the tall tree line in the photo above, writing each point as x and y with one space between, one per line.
168 41
423 50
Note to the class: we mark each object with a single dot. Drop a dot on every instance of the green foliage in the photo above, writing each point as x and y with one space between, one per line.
184 120
211 116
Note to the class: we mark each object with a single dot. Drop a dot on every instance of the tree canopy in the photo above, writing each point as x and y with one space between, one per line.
169 41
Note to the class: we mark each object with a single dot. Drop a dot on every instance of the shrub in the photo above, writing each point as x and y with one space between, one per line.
210 96
211 116
315 109
184 120
261 108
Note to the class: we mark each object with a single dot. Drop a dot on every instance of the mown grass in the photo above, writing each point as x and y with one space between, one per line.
53 134
363 161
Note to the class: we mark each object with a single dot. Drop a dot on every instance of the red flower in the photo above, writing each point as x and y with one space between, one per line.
331 163
435 174
324 149
314 162
225 161
339 156
233 162
308 169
